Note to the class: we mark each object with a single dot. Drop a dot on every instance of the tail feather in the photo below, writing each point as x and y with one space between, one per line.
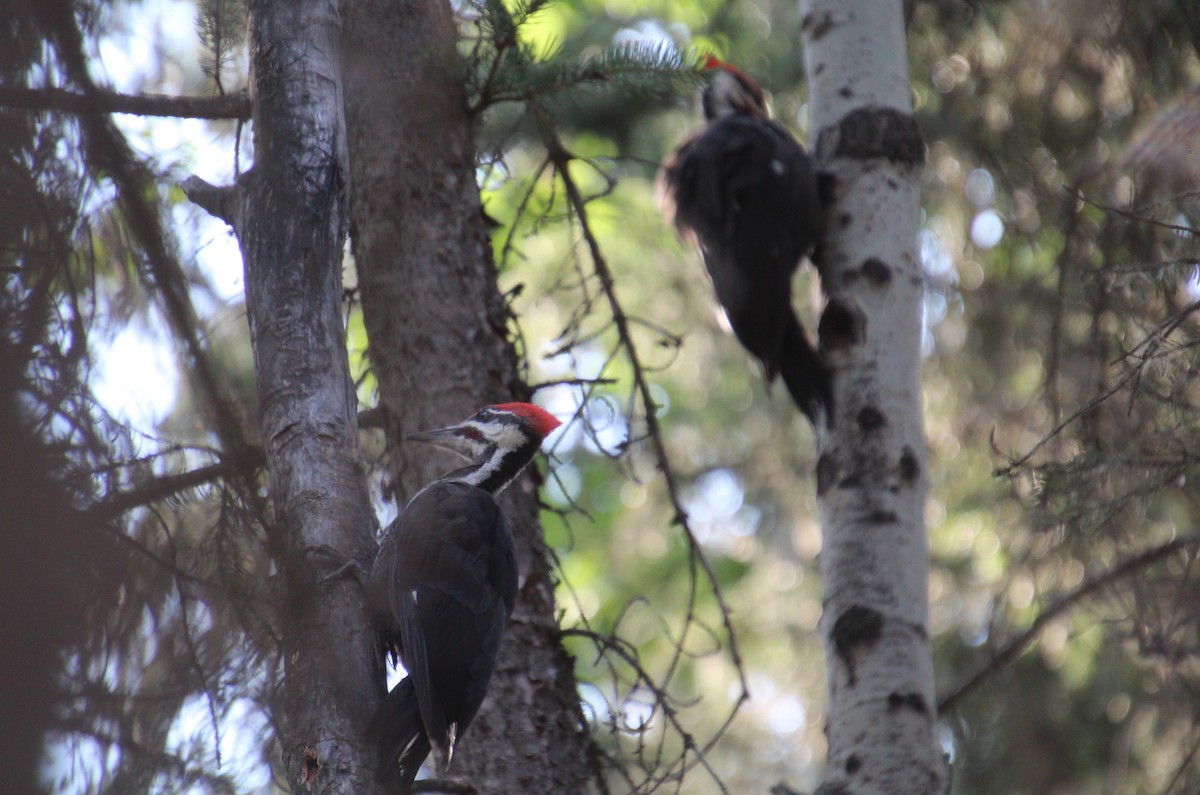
399 737
804 373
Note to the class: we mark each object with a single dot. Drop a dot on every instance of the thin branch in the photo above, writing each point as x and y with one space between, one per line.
189 641
169 485
1152 341
1151 267
1155 340
1017 463
1183 767
1163 329
1018 643
233 106
137 547
623 650
1130 215
1061 265
561 158
572 382
219 201
109 152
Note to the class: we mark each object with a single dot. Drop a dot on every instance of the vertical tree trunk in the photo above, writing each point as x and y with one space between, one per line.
289 216
871 474
440 349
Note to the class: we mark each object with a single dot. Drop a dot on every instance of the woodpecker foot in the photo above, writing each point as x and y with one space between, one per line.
452 785
345 566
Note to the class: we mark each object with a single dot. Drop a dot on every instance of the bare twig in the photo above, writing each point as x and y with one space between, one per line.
1054 355
561 158
1017 644
572 382
1184 765
193 653
1131 215
168 485
662 699
1015 464
109 152
233 106
1152 341
219 201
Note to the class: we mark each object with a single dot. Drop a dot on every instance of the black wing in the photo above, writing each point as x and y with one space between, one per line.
399 737
748 192
453 588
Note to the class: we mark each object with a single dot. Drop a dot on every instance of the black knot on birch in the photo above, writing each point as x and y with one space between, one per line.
910 469
870 419
872 133
817 24
857 628
913 701
842 325
876 272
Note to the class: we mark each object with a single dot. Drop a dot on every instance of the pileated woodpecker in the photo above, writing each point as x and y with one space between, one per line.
444 583
747 191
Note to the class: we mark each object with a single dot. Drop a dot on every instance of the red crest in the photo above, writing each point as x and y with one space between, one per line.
541 421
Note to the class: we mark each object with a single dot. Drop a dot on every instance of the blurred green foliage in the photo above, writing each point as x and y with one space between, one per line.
1025 108
1060 389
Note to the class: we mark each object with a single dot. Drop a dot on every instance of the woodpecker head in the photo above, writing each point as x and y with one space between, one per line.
499 440
728 91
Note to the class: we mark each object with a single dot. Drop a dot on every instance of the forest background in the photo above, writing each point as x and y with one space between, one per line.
1058 244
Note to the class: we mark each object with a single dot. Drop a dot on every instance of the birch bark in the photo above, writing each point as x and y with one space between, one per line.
289 214
871 472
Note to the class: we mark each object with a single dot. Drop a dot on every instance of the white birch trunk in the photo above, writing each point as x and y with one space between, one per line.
871 475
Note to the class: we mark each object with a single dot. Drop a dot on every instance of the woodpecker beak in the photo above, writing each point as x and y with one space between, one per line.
461 439
433 437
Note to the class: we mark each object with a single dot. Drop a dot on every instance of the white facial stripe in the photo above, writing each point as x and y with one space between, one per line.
486 469
506 436
503 434
725 89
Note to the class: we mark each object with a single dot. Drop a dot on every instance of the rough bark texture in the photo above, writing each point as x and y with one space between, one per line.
871 466
440 349
289 215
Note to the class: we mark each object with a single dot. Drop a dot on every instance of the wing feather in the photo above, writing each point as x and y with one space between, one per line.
454 579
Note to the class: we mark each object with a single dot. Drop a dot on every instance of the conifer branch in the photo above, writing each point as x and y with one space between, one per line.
233 106
640 68
1026 637
221 25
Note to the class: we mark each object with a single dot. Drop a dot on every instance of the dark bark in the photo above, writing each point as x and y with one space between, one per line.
440 349
52 554
106 152
233 106
289 215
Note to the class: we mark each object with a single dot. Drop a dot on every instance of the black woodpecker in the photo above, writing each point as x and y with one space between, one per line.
746 190
444 583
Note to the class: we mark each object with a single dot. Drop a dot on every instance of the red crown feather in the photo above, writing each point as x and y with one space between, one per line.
538 418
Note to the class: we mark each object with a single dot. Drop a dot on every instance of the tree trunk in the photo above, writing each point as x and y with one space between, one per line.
439 347
289 216
871 473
